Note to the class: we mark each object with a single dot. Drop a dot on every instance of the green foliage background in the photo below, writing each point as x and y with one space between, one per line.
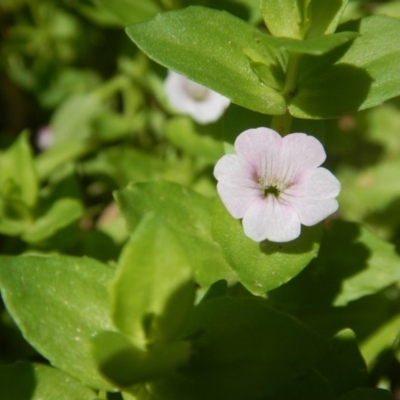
121 274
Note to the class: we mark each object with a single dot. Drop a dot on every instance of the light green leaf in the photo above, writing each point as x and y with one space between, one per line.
288 18
58 155
261 267
71 121
125 365
244 350
184 39
377 186
325 16
62 213
352 263
153 292
384 338
22 381
188 214
353 77
316 46
18 180
131 11
367 394
63 293
185 135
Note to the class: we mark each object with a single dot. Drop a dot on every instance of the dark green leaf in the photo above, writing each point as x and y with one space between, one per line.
125 365
352 263
312 386
367 394
242 350
343 366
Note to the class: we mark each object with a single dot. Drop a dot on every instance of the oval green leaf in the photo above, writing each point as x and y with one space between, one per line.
261 267
59 303
207 46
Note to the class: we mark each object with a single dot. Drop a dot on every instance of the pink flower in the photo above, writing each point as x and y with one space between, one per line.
275 184
188 97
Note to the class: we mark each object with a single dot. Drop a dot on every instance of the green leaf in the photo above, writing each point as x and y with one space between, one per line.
62 213
261 267
18 180
353 77
315 46
131 11
126 365
352 263
22 381
153 284
288 18
59 303
71 122
188 214
184 39
384 338
376 185
343 366
58 155
244 350
185 135
367 394
313 386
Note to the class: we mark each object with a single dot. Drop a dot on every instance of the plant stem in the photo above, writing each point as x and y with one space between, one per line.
282 123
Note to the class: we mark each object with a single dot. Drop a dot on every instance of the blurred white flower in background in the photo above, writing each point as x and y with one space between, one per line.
188 97
44 138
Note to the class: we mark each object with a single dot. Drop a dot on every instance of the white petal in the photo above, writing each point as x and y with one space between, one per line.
238 200
261 148
180 92
312 211
211 109
270 219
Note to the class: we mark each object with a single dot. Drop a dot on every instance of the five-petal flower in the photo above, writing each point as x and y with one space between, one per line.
276 184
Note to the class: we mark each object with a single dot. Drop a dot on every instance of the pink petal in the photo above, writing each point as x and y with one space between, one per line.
300 152
314 198
317 184
238 200
261 148
233 171
270 219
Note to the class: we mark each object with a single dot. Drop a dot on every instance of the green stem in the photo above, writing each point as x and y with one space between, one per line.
282 123
111 87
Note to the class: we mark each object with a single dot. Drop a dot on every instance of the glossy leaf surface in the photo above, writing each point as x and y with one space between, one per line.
64 292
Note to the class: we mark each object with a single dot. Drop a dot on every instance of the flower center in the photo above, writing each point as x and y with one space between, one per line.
197 92
272 187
